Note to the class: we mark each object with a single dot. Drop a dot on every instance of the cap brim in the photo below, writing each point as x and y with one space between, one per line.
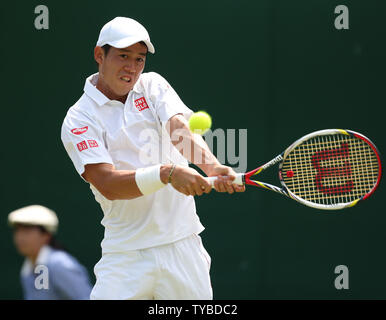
127 42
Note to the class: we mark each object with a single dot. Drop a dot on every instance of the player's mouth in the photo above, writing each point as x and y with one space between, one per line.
126 79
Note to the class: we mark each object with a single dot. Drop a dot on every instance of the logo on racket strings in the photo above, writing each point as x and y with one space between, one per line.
333 172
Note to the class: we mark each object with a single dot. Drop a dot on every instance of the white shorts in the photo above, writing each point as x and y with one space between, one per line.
175 271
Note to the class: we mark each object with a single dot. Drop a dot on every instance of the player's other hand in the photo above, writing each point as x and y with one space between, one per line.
189 182
224 182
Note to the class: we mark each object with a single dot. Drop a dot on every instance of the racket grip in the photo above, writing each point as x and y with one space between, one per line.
238 180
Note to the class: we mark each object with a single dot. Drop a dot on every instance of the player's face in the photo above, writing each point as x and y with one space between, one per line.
120 69
29 239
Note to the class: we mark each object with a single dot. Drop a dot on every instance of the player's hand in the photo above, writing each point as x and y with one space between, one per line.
224 182
189 182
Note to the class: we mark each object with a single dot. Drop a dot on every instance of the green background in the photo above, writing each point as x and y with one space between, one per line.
279 69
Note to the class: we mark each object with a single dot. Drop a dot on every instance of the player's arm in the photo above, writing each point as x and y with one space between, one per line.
122 184
194 149
112 184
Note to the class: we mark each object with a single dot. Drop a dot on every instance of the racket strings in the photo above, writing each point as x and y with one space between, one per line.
331 169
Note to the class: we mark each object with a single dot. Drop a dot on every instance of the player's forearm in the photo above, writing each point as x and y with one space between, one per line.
192 146
119 184
201 155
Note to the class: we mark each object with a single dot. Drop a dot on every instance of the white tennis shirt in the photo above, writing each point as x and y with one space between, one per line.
99 130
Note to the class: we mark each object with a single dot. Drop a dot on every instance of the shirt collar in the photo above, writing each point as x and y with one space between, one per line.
137 87
91 90
42 258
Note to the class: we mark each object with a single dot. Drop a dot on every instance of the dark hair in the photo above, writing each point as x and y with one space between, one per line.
54 244
106 48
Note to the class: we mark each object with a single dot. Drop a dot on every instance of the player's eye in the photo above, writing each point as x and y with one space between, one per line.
124 56
140 59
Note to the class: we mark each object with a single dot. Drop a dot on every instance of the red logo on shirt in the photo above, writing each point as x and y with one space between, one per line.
92 143
82 146
79 130
141 104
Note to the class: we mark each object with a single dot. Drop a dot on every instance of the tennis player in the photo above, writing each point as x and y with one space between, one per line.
127 136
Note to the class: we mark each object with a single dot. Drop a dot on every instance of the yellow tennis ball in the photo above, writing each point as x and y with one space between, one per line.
200 122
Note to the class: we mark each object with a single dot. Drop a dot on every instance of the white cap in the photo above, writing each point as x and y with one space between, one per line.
35 215
123 32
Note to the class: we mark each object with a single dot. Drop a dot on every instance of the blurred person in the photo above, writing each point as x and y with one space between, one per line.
48 272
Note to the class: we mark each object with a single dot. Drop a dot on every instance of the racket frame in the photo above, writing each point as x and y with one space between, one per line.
246 178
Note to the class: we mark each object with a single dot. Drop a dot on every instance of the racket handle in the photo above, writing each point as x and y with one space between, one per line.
238 180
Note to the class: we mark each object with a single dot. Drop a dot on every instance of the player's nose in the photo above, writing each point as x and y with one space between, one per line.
129 65
129 68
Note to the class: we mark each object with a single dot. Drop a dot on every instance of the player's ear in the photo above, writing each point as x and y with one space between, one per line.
99 54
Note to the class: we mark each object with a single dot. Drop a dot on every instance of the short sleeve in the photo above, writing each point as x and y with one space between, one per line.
164 98
83 140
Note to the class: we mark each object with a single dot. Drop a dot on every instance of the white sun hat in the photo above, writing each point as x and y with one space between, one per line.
35 215
123 32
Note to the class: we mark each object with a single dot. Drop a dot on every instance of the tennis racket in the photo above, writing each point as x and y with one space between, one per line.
328 169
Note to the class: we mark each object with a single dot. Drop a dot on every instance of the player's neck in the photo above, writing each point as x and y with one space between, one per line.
102 87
